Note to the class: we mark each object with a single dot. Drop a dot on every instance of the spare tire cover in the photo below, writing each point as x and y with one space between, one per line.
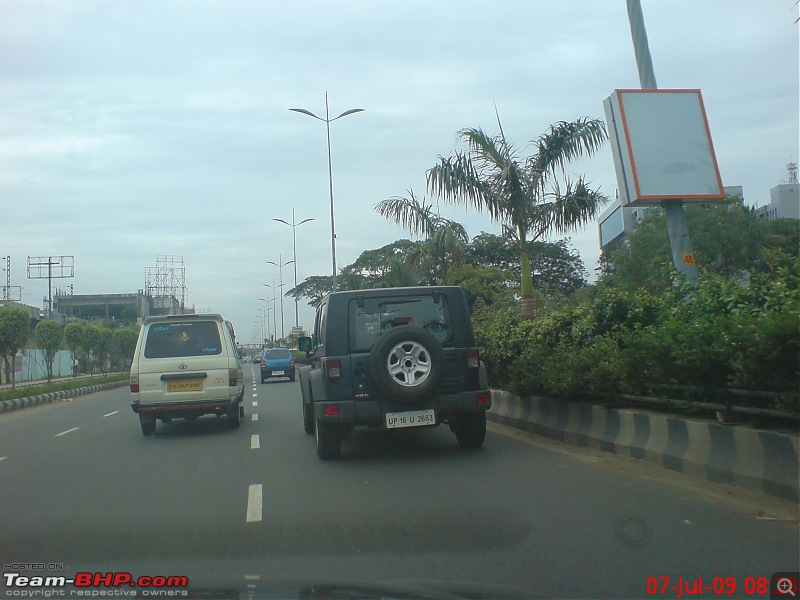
407 364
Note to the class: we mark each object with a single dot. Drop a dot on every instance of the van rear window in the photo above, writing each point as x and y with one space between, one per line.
195 338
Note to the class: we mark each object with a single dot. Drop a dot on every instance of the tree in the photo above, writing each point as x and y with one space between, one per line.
555 266
98 341
444 239
49 335
124 343
728 239
524 194
74 335
15 331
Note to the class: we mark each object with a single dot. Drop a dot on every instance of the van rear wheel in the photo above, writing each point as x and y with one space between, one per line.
148 425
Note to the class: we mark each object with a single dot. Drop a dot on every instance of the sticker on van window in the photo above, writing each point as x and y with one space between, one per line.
211 350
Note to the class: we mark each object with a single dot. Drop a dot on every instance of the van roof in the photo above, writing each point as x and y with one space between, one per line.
167 318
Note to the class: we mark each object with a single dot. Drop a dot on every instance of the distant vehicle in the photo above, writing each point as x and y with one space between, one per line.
392 358
185 366
277 362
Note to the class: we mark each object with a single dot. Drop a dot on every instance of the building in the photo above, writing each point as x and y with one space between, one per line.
784 199
126 307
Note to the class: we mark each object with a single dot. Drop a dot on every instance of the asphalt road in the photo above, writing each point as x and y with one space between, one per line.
81 487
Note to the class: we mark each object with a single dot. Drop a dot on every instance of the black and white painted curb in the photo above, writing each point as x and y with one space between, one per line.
9 405
761 460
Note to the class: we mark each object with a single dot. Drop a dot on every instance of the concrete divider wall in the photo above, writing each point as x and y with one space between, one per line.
763 460
9 405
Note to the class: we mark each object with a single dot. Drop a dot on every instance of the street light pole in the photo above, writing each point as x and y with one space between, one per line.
269 329
294 225
327 120
274 311
280 265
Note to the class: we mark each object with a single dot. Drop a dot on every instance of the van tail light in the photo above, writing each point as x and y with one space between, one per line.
263 363
291 362
233 377
334 368
473 358
134 383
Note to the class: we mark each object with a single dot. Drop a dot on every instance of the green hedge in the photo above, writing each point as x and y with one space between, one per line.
718 334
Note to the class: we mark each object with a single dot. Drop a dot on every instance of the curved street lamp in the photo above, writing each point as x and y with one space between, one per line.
294 225
327 120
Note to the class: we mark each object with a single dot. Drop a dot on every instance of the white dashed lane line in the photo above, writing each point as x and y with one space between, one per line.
255 442
254 503
3 457
255 417
255 403
111 413
67 431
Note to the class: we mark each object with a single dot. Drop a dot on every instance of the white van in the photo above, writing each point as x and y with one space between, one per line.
186 366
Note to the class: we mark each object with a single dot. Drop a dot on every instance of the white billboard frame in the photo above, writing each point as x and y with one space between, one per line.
662 147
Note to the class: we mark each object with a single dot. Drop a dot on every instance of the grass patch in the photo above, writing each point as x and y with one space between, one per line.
45 388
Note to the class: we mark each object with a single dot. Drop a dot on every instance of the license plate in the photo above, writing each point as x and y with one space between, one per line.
412 418
185 385
277 372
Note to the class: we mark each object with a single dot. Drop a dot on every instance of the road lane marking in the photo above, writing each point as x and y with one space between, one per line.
255 442
255 395
112 413
254 503
255 417
67 431
255 403
3 457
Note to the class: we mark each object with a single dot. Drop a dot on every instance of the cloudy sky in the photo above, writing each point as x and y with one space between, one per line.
131 129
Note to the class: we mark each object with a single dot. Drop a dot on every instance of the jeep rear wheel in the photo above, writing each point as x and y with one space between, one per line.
308 418
407 364
470 430
329 442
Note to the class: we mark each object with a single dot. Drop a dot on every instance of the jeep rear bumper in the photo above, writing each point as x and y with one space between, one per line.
373 412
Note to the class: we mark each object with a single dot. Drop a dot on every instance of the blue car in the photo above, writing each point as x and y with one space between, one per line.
277 362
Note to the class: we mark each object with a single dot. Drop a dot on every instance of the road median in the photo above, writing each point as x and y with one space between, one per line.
766 461
58 395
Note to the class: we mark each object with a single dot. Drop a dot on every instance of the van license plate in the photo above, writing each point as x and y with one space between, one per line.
185 385
277 372
412 418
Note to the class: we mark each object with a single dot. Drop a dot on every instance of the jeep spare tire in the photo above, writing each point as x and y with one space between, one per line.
407 364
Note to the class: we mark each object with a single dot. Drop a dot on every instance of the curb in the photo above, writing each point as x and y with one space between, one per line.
759 460
18 403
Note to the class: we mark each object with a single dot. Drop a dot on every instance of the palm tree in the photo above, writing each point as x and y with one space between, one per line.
523 194
444 239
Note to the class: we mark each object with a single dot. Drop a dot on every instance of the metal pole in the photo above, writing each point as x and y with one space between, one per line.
294 256
330 179
677 227
280 272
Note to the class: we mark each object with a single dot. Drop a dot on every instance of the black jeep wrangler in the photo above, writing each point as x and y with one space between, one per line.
391 358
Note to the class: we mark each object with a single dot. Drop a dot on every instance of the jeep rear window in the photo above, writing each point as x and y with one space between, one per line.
169 340
379 315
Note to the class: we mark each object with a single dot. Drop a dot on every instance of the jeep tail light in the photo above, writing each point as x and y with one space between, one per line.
233 377
482 398
473 358
134 383
332 410
291 362
334 368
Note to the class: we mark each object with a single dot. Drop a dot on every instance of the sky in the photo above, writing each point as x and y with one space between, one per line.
133 129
